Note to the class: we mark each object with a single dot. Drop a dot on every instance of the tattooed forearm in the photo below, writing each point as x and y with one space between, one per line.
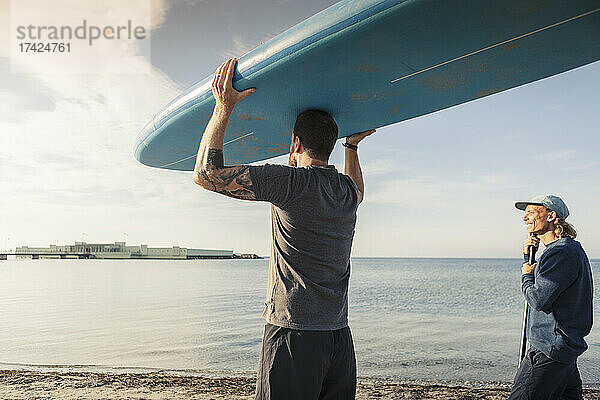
214 158
210 171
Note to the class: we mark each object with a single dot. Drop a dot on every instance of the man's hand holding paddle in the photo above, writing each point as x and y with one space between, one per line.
531 243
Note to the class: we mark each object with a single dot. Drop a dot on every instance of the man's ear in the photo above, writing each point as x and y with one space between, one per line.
298 148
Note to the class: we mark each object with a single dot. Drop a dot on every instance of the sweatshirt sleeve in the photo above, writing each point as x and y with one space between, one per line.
557 271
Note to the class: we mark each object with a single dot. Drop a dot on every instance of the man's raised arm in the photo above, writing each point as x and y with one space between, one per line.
351 163
210 171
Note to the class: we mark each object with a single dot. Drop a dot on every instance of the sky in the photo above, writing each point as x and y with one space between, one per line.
441 185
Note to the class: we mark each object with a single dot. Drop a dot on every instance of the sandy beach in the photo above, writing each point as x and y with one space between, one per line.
21 384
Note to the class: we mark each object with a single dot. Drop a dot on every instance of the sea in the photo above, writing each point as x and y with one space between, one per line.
423 319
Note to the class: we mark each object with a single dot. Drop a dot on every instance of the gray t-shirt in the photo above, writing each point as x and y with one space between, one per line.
313 215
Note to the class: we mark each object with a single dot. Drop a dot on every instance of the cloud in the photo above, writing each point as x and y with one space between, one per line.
496 181
75 145
582 166
556 155
439 192
376 167
411 192
22 92
241 45
382 167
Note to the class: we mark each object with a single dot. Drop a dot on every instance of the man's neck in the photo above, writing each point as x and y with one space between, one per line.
548 237
305 161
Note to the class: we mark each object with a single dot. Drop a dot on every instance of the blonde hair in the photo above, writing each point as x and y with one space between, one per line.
562 228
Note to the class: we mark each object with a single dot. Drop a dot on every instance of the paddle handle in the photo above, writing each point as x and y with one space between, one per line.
531 250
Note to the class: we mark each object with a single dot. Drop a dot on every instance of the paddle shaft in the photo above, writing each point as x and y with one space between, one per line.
531 251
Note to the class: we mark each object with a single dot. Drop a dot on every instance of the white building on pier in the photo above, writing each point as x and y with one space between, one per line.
118 250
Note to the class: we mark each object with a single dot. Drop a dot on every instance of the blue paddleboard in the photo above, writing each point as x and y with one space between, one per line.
371 63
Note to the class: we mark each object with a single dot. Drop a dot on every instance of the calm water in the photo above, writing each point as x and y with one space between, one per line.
431 319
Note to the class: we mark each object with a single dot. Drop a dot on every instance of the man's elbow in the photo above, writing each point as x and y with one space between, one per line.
533 304
201 181
538 304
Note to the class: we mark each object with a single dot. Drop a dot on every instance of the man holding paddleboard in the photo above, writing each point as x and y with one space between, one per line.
307 348
558 291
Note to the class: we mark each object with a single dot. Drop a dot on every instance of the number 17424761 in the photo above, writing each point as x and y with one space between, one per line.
41 47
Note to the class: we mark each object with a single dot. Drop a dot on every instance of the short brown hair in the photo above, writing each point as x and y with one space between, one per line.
318 133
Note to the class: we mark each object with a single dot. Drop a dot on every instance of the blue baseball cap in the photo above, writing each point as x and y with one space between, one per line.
549 201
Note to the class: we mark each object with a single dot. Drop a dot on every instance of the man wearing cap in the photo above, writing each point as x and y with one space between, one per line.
558 290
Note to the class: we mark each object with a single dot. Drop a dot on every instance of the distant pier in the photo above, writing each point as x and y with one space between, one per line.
120 250
88 256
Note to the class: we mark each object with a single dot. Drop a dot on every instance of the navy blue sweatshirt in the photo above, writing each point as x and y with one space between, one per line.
560 301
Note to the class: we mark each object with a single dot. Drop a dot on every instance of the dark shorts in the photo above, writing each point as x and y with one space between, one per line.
306 365
540 377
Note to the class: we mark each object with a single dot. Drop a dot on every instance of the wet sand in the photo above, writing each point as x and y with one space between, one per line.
22 384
